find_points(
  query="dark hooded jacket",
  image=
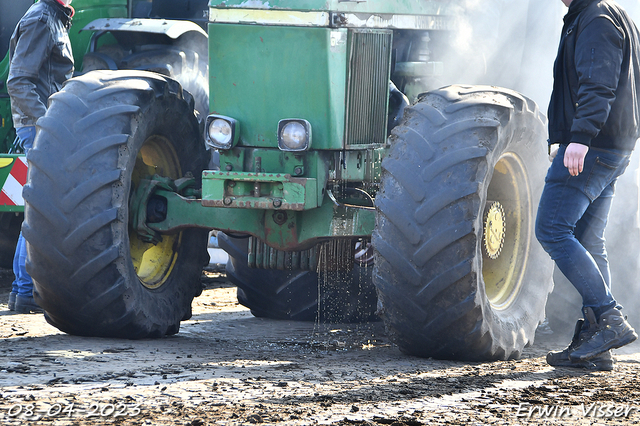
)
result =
(595, 99)
(41, 60)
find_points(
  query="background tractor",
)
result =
(348, 178)
(104, 37)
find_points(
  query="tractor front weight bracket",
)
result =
(160, 206)
(285, 230)
(146, 207)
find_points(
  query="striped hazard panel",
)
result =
(11, 194)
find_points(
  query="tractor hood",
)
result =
(170, 28)
(361, 9)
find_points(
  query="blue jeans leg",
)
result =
(590, 231)
(572, 216)
(16, 265)
(23, 284)
(23, 281)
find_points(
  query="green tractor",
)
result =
(337, 198)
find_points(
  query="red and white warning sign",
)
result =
(12, 189)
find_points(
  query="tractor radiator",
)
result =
(334, 255)
(368, 89)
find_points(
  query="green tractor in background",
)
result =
(176, 46)
(346, 182)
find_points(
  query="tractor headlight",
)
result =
(294, 135)
(221, 132)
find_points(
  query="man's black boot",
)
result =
(26, 305)
(613, 331)
(12, 301)
(583, 330)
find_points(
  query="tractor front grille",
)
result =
(368, 89)
(334, 255)
(261, 256)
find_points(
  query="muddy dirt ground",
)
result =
(226, 367)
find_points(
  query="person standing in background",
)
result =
(41, 61)
(594, 116)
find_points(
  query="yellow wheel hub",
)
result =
(154, 263)
(507, 231)
(494, 230)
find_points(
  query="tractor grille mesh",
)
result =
(368, 89)
(261, 256)
(334, 255)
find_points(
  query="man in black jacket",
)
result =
(41, 61)
(594, 116)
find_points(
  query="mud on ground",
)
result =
(226, 367)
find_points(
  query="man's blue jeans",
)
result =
(23, 284)
(571, 221)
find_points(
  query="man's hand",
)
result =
(574, 158)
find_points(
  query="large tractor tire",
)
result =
(180, 63)
(93, 275)
(328, 297)
(458, 271)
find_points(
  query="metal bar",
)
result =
(299, 231)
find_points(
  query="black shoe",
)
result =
(583, 330)
(613, 331)
(26, 305)
(12, 301)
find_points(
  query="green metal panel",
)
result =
(8, 20)
(11, 209)
(4, 72)
(314, 163)
(411, 7)
(258, 190)
(7, 133)
(260, 75)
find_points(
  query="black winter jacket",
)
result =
(595, 99)
(41, 60)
